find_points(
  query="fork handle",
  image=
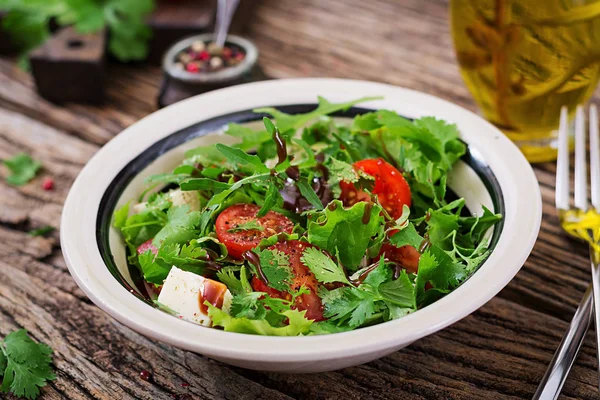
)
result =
(594, 264)
(556, 374)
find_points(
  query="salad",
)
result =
(308, 226)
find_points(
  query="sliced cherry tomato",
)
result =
(259, 286)
(311, 302)
(239, 241)
(407, 256)
(147, 245)
(391, 188)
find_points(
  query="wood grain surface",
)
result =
(499, 352)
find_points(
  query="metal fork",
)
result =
(583, 223)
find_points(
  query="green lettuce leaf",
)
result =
(337, 227)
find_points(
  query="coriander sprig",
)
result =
(25, 366)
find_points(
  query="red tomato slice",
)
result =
(240, 241)
(310, 302)
(147, 245)
(391, 188)
(407, 256)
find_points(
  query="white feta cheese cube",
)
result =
(184, 292)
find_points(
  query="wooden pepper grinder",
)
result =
(70, 66)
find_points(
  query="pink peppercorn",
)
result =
(48, 184)
(191, 67)
(204, 55)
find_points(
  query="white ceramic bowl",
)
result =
(495, 174)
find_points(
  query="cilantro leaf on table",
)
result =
(337, 227)
(324, 268)
(25, 366)
(22, 168)
(276, 266)
(43, 231)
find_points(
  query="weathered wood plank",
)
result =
(500, 352)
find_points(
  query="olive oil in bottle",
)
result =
(522, 60)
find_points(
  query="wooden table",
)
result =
(501, 351)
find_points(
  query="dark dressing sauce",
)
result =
(367, 214)
(293, 172)
(213, 292)
(253, 259)
(281, 147)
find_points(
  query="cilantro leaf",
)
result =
(407, 236)
(339, 228)
(25, 365)
(324, 268)
(251, 225)
(180, 227)
(235, 285)
(298, 324)
(23, 169)
(340, 171)
(247, 305)
(43, 231)
(153, 270)
(400, 292)
(276, 266)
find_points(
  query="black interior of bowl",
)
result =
(123, 178)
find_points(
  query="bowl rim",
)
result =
(78, 224)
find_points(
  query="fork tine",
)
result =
(580, 161)
(562, 164)
(595, 157)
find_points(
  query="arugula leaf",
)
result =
(339, 228)
(298, 324)
(238, 156)
(272, 199)
(276, 266)
(309, 193)
(250, 137)
(23, 169)
(251, 225)
(287, 122)
(324, 268)
(204, 184)
(24, 364)
(43, 231)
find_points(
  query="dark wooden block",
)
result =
(174, 20)
(70, 67)
(7, 46)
